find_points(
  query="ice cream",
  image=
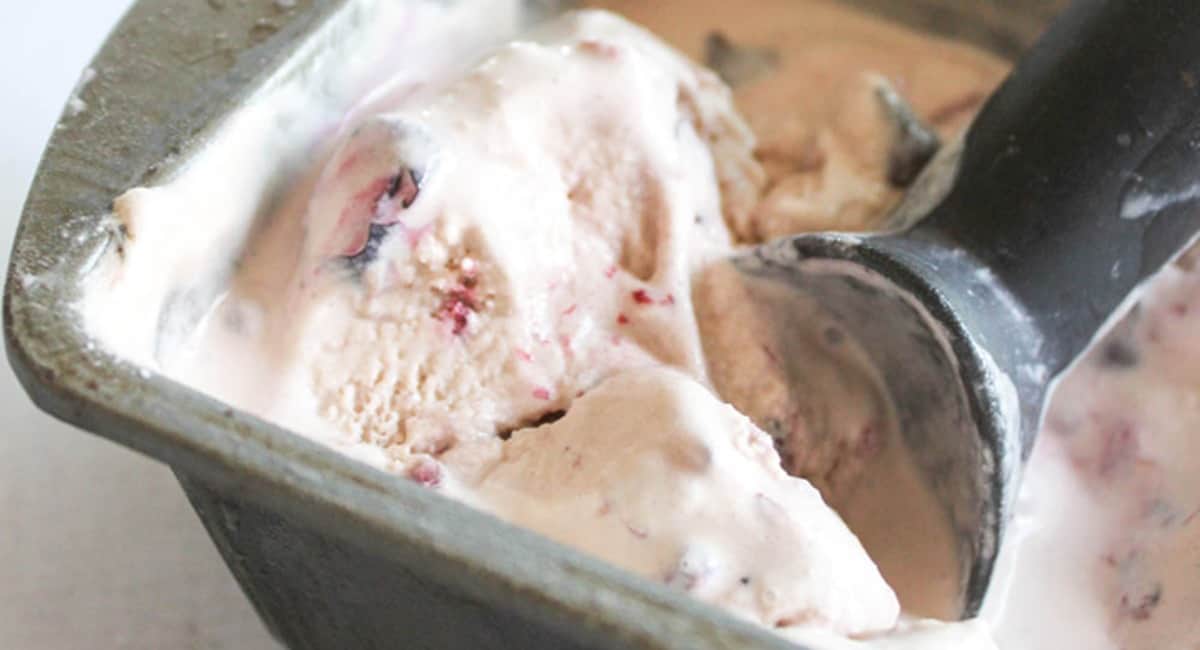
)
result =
(682, 487)
(474, 261)
(808, 81)
(500, 275)
(482, 256)
(828, 95)
(488, 268)
(1108, 525)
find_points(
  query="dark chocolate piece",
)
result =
(913, 142)
(738, 64)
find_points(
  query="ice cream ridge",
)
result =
(510, 285)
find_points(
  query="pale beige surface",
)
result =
(99, 547)
(683, 488)
(422, 349)
(427, 329)
(822, 137)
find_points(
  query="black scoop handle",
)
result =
(1080, 177)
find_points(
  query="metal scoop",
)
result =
(1079, 179)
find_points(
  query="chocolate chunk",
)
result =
(913, 142)
(738, 64)
(545, 418)
(548, 417)
(1118, 354)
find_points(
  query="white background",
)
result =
(98, 547)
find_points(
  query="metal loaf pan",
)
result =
(333, 554)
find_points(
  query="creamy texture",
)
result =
(809, 93)
(1108, 523)
(427, 332)
(409, 318)
(182, 240)
(808, 83)
(540, 237)
(439, 333)
(500, 277)
(682, 487)
(478, 256)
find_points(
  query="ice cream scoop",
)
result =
(1079, 179)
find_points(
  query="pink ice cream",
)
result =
(502, 278)
(521, 245)
(475, 260)
(492, 284)
(1108, 526)
(684, 489)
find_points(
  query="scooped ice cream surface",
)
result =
(474, 261)
(681, 487)
(489, 281)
